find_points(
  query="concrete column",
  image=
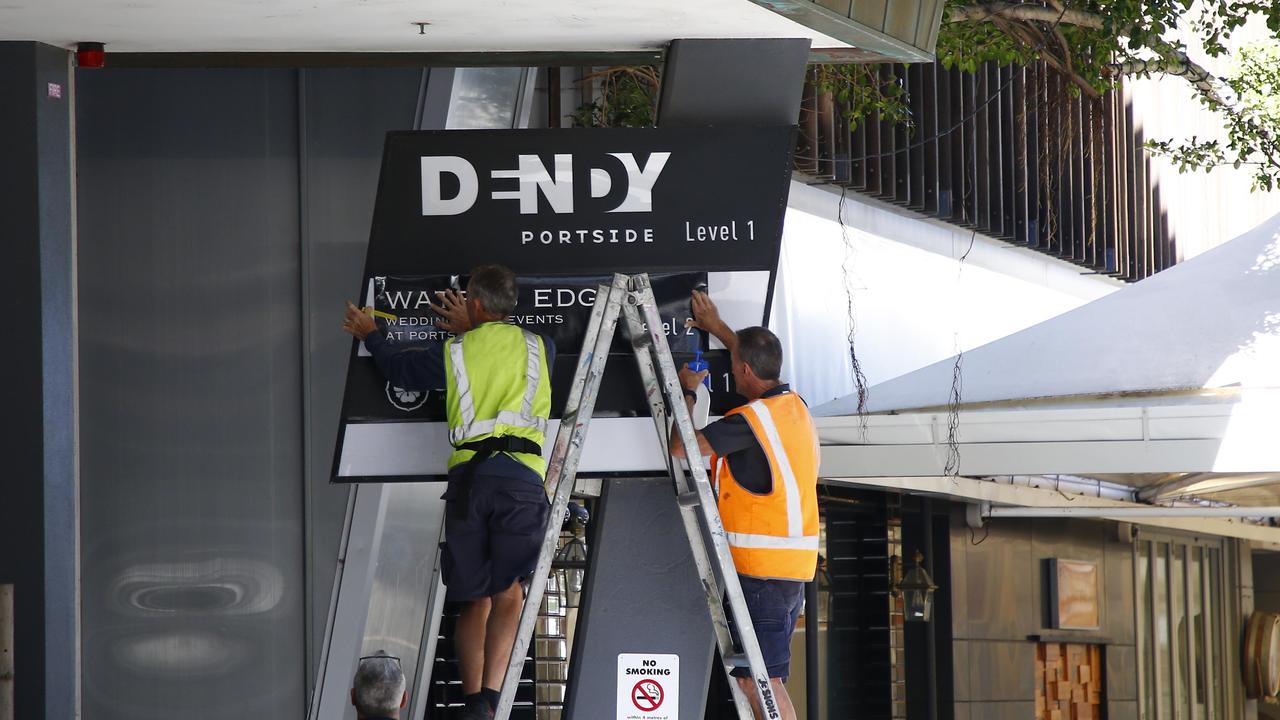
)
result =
(38, 520)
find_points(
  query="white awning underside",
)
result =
(1170, 386)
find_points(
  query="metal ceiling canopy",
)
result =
(1224, 437)
(1207, 327)
(1170, 386)
(877, 31)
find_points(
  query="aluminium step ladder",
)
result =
(631, 297)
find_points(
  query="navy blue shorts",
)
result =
(496, 542)
(774, 606)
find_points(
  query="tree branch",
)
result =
(1025, 12)
(1178, 65)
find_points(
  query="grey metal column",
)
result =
(38, 522)
(642, 595)
(732, 82)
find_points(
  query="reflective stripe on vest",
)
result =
(795, 520)
(746, 540)
(470, 427)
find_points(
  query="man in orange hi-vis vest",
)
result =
(764, 464)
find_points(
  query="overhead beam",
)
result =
(965, 489)
(1129, 513)
(1084, 457)
(1200, 484)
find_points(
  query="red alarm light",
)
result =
(91, 55)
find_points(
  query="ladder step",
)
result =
(737, 660)
(689, 499)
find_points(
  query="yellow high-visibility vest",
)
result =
(498, 385)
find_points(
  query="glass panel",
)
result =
(191, 485)
(1145, 680)
(1195, 630)
(1213, 610)
(402, 581)
(1178, 618)
(484, 98)
(1160, 630)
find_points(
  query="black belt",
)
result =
(484, 449)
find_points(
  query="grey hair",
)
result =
(378, 686)
(761, 349)
(495, 287)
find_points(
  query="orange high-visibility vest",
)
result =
(775, 535)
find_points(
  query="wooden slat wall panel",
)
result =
(1016, 189)
(982, 151)
(928, 134)
(1031, 190)
(858, 150)
(875, 163)
(969, 167)
(916, 175)
(1008, 151)
(1008, 145)
(1079, 216)
(946, 138)
(902, 144)
(888, 146)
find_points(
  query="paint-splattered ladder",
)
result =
(631, 298)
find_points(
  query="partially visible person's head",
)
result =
(494, 288)
(757, 364)
(378, 688)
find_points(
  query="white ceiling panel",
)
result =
(388, 25)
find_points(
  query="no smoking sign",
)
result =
(648, 686)
(647, 695)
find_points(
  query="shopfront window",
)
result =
(1178, 586)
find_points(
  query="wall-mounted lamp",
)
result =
(917, 591)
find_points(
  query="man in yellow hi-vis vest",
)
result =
(764, 463)
(498, 399)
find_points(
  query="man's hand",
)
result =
(453, 312)
(690, 379)
(358, 322)
(706, 316)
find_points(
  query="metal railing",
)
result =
(1008, 152)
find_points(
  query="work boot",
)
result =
(476, 708)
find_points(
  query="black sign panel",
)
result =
(581, 201)
(556, 307)
(565, 209)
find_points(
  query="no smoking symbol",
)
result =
(647, 695)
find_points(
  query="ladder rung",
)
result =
(689, 499)
(737, 660)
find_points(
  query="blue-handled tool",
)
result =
(698, 365)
